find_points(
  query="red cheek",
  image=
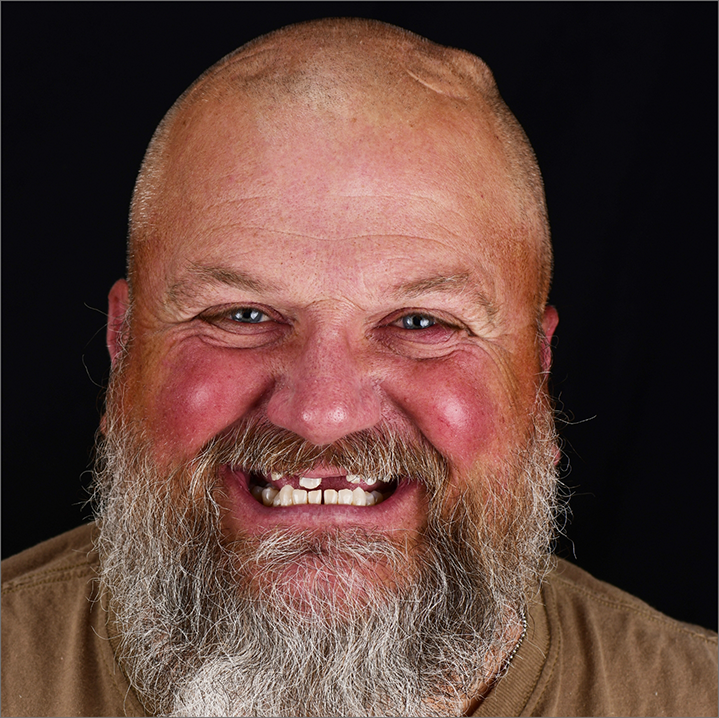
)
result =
(203, 391)
(453, 407)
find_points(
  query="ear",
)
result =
(118, 304)
(549, 324)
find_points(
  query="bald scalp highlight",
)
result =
(333, 66)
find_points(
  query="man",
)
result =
(327, 480)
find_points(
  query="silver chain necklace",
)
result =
(519, 642)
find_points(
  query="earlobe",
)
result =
(549, 324)
(118, 304)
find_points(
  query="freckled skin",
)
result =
(330, 212)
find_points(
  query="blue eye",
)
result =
(417, 321)
(247, 315)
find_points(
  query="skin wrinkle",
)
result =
(301, 234)
(343, 195)
(208, 275)
(501, 359)
(448, 284)
(439, 91)
(297, 235)
(189, 288)
(238, 202)
(204, 276)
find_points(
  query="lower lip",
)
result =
(404, 509)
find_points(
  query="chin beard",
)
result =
(336, 622)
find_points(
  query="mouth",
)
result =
(276, 490)
(324, 496)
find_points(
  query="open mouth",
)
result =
(322, 496)
(273, 489)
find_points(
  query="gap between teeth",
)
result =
(288, 496)
(310, 483)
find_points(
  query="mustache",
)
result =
(257, 445)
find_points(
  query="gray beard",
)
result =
(301, 624)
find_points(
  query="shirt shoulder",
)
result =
(65, 552)
(612, 654)
(56, 657)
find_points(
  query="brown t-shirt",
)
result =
(590, 648)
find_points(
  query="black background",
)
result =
(619, 101)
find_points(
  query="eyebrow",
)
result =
(201, 276)
(455, 283)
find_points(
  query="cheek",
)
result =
(459, 405)
(202, 391)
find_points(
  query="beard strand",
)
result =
(213, 626)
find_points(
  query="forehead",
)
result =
(417, 163)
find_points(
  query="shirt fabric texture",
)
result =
(590, 649)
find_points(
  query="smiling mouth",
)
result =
(275, 490)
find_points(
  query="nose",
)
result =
(324, 393)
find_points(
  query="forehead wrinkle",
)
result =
(447, 202)
(201, 276)
(262, 228)
(321, 238)
(456, 284)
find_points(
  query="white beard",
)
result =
(210, 627)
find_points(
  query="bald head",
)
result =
(335, 75)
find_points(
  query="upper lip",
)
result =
(331, 477)
(323, 472)
(403, 510)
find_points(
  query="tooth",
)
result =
(299, 496)
(358, 497)
(353, 478)
(344, 496)
(256, 491)
(268, 495)
(370, 499)
(308, 483)
(275, 476)
(377, 497)
(276, 500)
(314, 497)
(330, 496)
(286, 495)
